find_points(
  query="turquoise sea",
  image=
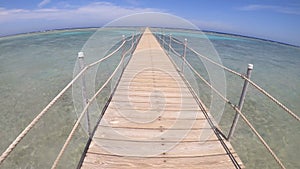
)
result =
(35, 67)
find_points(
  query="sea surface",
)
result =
(35, 67)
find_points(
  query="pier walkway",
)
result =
(152, 116)
(153, 120)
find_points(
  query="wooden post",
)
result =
(241, 102)
(163, 44)
(132, 39)
(184, 54)
(84, 92)
(123, 52)
(170, 44)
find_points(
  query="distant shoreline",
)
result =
(206, 31)
(46, 31)
(251, 37)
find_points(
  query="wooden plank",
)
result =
(96, 161)
(151, 83)
(154, 93)
(150, 88)
(153, 121)
(141, 74)
(165, 102)
(178, 82)
(150, 74)
(165, 124)
(156, 134)
(170, 114)
(155, 86)
(160, 104)
(157, 149)
(145, 98)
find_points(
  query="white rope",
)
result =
(273, 99)
(81, 116)
(241, 114)
(259, 137)
(174, 51)
(130, 49)
(208, 84)
(215, 63)
(37, 118)
(170, 46)
(130, 39)
(176, 41)
(236, 108)
(11, 147)
(253, 84)
(286, 109)
(93, 64)
(67, 142)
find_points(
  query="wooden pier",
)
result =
(153, 120)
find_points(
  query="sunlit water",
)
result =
(35, 67)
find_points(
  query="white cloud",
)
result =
(274, 8)
(93, 14)
(14, 21)
(43, 3)
(98, 12)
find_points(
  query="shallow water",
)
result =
(35, 67)
(276, 69)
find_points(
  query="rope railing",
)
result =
(12, 146)
(236, 108)
(176, 41)
(208, 59)
(272, 98)
(37, 118)
(242, 76)
(175, 52)
(240, 113)
(252, 83)
(101, 60)
(67, 142)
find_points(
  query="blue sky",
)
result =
(277, 20)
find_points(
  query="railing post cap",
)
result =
(250, 66)
(80, 55)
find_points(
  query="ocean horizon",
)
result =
(35, 66)
(92, 27)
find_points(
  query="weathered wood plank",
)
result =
(163, 123)
(157, 149)
(153, 121)
(133, 114)
(200, 135)
(151, 88)
(158, 99)
(95, 161)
